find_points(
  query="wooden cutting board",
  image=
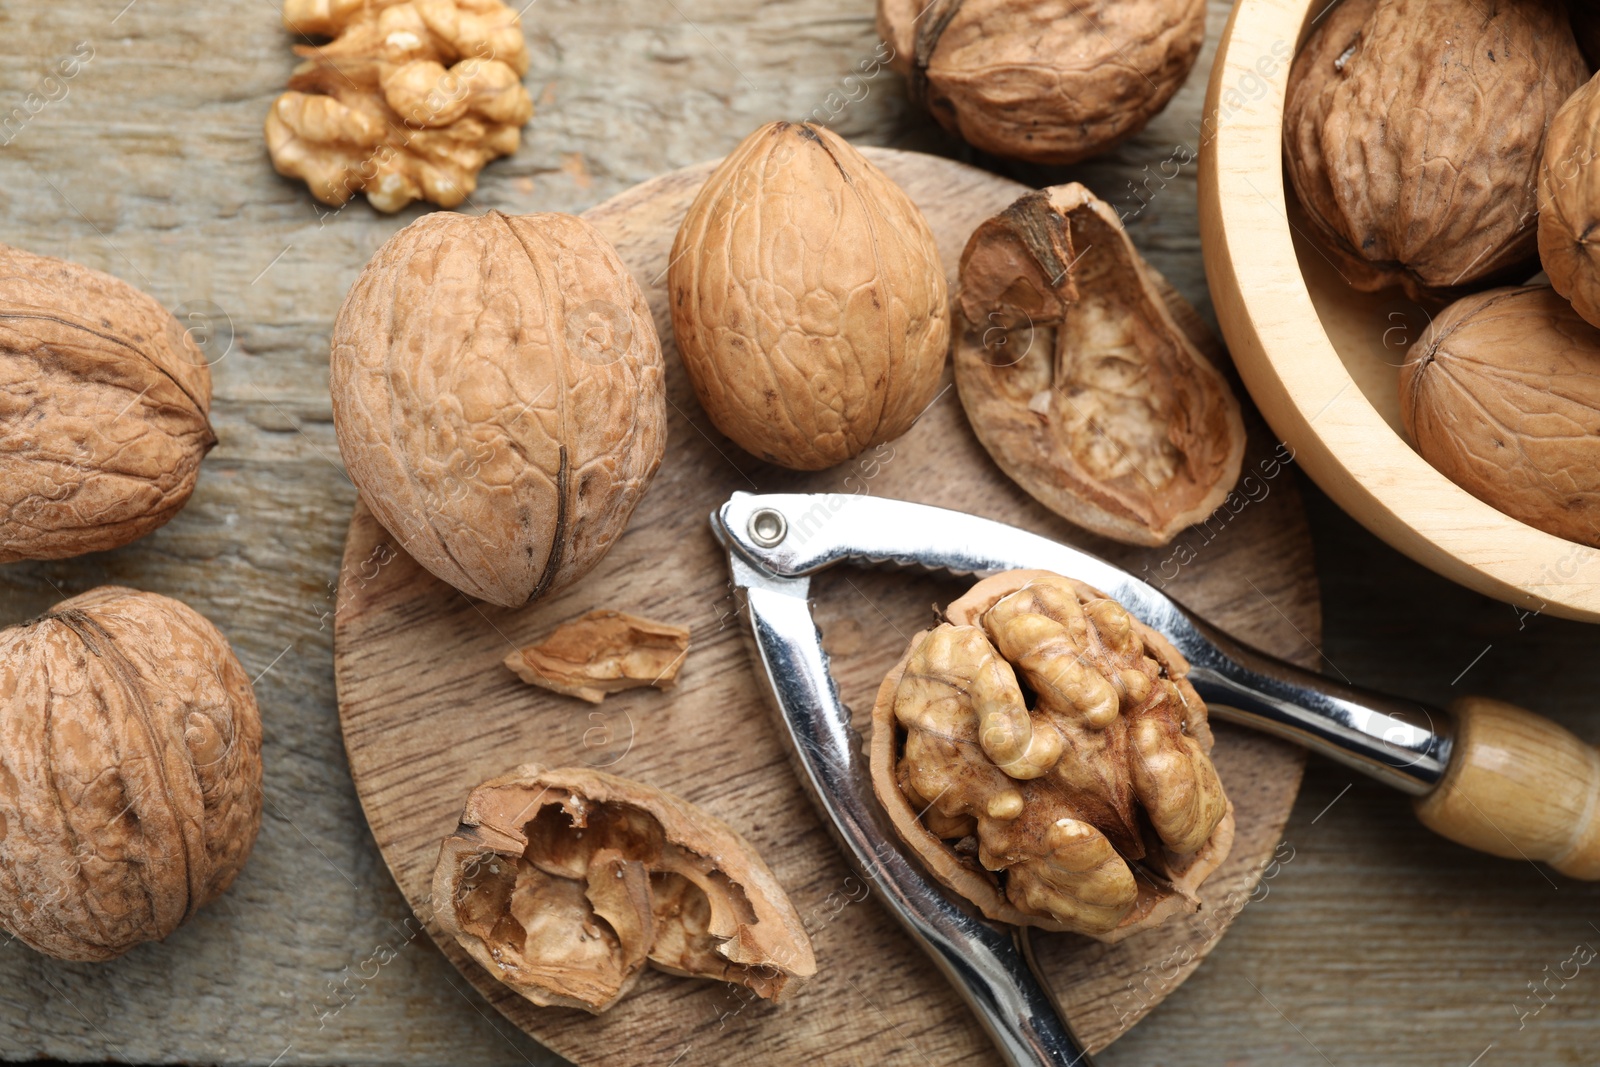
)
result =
(428, 710)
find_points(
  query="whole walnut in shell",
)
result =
(1078, 378)
(1413, 133)
(1050, 81)
(407, 102)
(1087, 803)
(564, 883)
(104, 408)
(1502, 395)
(808, 300)
(1569, 202)
(130, 772)
(498, 397)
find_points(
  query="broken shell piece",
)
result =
(563, 883)
(603, 652)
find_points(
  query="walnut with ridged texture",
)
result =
(1501, 394)
(498, 397)
(1428, 182)
(408, 101)
(1047, 81)
(105, 407)
(808, 300)
(1569, 202)
(1086, 802)
(566, 883)
(130, 772)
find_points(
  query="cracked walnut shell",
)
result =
(498, 397)
(1078, 379)
(407, 102)
(564, 883)
(1077, 797)
(1413, 133)
(1569, 202)
(104, 404)
(603, 652)
(1048, 81)
(1501, 394)
(130, 772)
(808, 300)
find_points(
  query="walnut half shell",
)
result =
(1079, 381)
(1079, 797)
(564, 883)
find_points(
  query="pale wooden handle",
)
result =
(1519, 786)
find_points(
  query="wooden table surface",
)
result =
(1375, 943)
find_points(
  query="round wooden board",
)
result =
(428, 710)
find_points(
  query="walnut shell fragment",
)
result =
(808, 299)
(1413, 132)
(104, 407)
(1078, 380)
(1569, 202)
(603, 652)
(1096, 810)
(564, 883)
(1044, 82)
(1502, 395)
(499, 399)
(407, 102)
(130, 772)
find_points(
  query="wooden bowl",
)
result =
(1321, 359)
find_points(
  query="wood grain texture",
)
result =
(1519, 786)
(1377, 942)
(429, 711)
(1320, 358)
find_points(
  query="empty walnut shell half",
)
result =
(1502, 395)
(1079, 797)
(104, 410)
(1413, 132)
(1079, 380)
(1569, 202)
(808, 299)
(1049, 83)
(498, 395)
(130, 772)
(564, 883)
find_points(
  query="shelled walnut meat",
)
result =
(1502, 395)
(1045, 756)
(564, 883)
(104, 410)
(1569, 202)
(130, 772)
(407, 102)
(498, 397)
(1049, 81)
(1079, 380)
(808, 300)
(603, 652)
(1413, 134)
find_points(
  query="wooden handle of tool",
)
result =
(1519, 786)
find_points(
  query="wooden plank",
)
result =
(428, 710)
